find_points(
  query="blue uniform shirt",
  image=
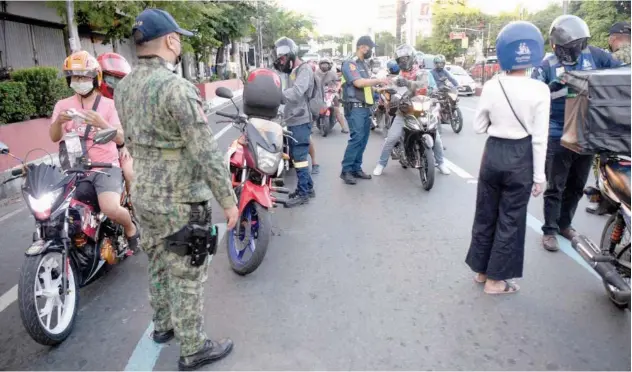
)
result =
(443, 72)
(352, 71)
(550, 71)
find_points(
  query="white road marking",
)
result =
(11, 214)
(8, 298)
(472, 181)
(223, 131)
(458, 170)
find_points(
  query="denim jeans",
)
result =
(359, 120)
(299, 151)
(394, 135)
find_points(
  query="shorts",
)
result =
(102, 183)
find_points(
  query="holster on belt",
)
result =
(198, 238)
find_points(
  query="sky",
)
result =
(333, 15)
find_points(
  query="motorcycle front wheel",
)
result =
(427, 169)
(621, 252)
(41, 284)
(457, 120)
(248, 246)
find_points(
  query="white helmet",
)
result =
(325, 64)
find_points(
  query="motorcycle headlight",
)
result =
(426, 106)
(452, 96)
(44, 202)
(267, 161)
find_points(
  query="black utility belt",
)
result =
(358, 105)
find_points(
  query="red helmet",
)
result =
(114, 67)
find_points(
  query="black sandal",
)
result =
(133, 241)
(509, 289)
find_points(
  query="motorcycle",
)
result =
(415, 148)
(448, 98)
(253, 160)
(381, 117)
(611, 258)
(72, 243)
(327, 119)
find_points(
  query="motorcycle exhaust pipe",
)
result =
(602, 265)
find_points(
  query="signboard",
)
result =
(457, 35)
(465, 43)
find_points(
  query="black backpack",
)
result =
(315, 100)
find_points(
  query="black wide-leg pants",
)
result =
(504, 187)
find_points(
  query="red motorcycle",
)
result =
(327, 119)
(73, 241)
(254, 161)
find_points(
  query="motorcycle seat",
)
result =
(86, 193)
(618, 175)
(391, 91)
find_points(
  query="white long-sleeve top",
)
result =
(531, 100)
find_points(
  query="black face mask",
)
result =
(283, 67)
(569, 54)
(368, 54)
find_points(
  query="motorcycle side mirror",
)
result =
(4, 149)
(224, 92)
(104, 136)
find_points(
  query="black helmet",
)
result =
(285, 53)
(405, 57)
(569, 36)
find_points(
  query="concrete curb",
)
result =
(14, 188)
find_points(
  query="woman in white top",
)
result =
(514, 111)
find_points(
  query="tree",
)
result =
(600, 16)
(446, 15)
(386, 43)
(543, 20)
(400, 20)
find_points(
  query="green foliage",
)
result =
(600, 16)
(386, 44)
(277, 22)
(45, 88)
(14, 103)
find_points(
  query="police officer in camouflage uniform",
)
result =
(619, 41)
(177, 165)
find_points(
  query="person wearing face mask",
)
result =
(330, 79)
(566, 171)
(178, 168)
(83, 74)
(358, 100)
(619, 42)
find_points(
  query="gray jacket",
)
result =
(300, 84)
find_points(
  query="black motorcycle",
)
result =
(73, 242)
(448, 98)
(420, 129)
(611, 258)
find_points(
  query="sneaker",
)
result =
(345, 131)
(315, 168)
(569, 233)
(443, 169)
(378, 170)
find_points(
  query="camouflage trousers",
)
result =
(176, 289)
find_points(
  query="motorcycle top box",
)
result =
(597, 115)
(259, 100)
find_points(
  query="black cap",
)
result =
(154, 23)
(365, 40)
(620, 28)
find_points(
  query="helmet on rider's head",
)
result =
(325, 64)
(392, 67)
(519, 46)
(439, 61)
(569, 36)
(84, 65)
(285, 53)
(114, 67)
(405, 57)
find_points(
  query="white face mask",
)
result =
(82, 88)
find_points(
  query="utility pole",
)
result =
(565, 6)
(73, 34)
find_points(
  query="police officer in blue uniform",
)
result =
(358, 100)
(566, 171)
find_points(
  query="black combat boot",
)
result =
(162, 337)
(212, 351)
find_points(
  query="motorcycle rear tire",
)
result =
(605, 242)
(264, 233)
(27, 302)
(427, 169)
(328, 122)
(457, 120)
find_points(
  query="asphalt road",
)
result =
(370, 276)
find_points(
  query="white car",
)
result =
(467, 85)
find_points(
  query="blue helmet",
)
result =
(519, 45)
(392, 67)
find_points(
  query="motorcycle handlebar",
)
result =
(99, 165)
(226, 115)
(17, 172)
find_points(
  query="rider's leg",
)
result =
(394, 134)
(109, 195)
(312, 154)
(438, 153)
(341, 119)
(127, 165)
